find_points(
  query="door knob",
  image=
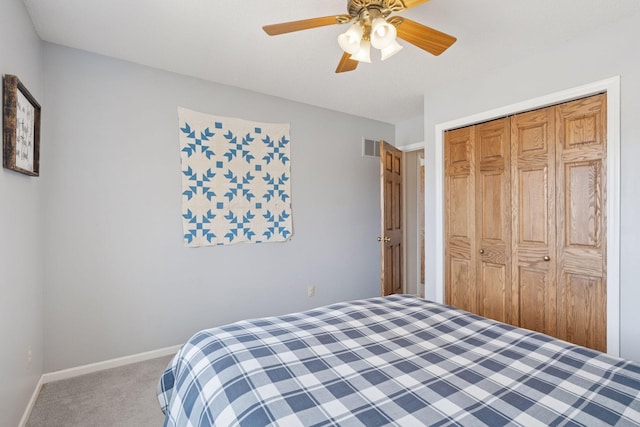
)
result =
(386, 239)
(481, 251)
(547, 258)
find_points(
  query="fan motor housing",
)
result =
(362, 8)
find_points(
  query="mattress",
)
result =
(397, 360)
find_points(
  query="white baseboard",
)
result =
(32, 402)
(107, 364)
(90, 368)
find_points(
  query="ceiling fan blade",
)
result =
(411, 3)
(305, 24)
(433, 41)
(346, 63)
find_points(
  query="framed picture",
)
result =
(21, 133)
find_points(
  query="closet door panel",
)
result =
(460, 294)
(534, 219)
(583, 322)
(461, 202)
(493, 220)
(534, 284)
(493, 285)
(533, 204)
(460, 259)
(581, 200)
(492, 205)
(584, 204)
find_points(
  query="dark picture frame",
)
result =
(21, 130)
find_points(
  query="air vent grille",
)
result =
(370, 148)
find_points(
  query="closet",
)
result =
(525, 222)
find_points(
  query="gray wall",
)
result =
(605, 53)
(21, 251)
(410, 131)
(118, 279)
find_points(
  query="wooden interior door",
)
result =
(391, 236)
(580, 177)
(460, 222)
(534, 298)
(493, 220)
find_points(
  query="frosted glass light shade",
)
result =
(364, 54)
(390, 50)
(383, 34)
(350, 40)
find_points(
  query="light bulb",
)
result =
(383, 34)
(350, 40)
(364, 54)
(390, 50)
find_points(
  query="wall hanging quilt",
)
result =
(236, 184)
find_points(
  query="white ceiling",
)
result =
(223, 41)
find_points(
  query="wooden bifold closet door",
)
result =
(525, 222)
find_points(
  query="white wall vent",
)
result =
(370, 148)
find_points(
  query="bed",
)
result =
(397, 360)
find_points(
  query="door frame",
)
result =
(612, 87)
(408, 148)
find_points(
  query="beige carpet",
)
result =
(119, 397)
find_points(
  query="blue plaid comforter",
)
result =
(398, 360)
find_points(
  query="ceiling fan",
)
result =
(372, 25)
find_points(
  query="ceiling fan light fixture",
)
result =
(350, 41)
(383, 34)
(390, 50)
(372, 23)
(364, 54)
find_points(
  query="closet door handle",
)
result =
(547, 258)
(481, 251)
